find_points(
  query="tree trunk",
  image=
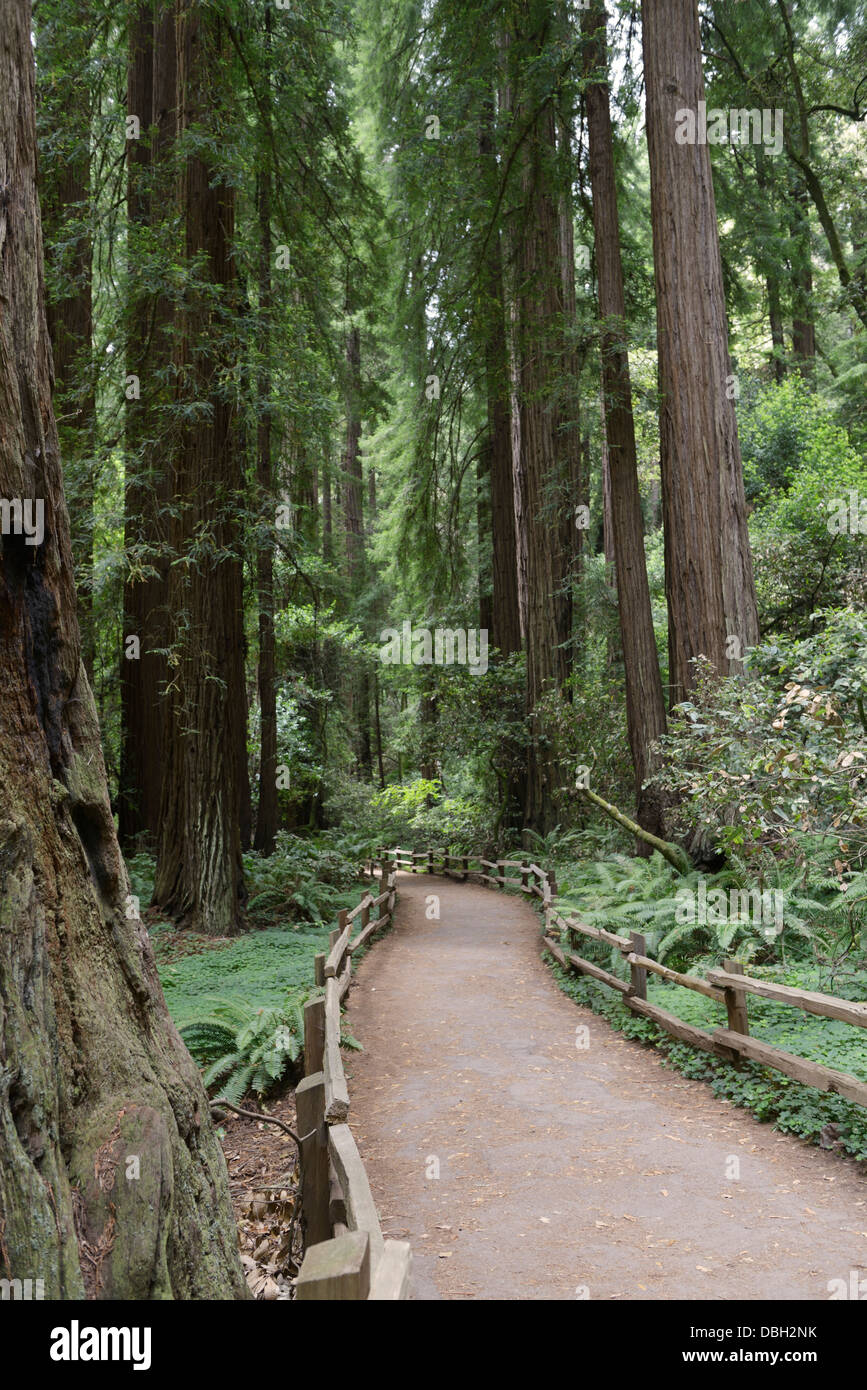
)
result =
(267, 817)
(708, 566)
(200, 876)
(645, 704)
(539, 319)
(151, 95)
(505, 618)
(65, 113)
(94, 1071)
(803, 325)
(352, 477)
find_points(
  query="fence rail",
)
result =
(347, 1256)
(728, 986)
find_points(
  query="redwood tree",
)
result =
(152, 97)
(708, 567)
(93, 1070)
(645, 705)
(200, 873)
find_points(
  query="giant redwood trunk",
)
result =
(92, 1070)
(200, 874)
(645, 705)
(152, 97)
(708, 567)
(505, 615)
(266, 817)
(65, 101)
(538, 337)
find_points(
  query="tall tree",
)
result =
(539, 312)
(152, 100)
(645, 705)
(499, 511)
(708, 566)
(199, 878)
(266, 820)
(93, 1067)
(66, 110)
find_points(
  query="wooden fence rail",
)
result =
(346, 1255)
(728, 986)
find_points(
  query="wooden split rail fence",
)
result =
(346, 1255)
(728, 986)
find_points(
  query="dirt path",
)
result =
(564, 1170)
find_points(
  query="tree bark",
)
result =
(151, 95)
(94, 1071)
(352, 477)
(505, 618)
(268, 812)
(539, 318)
(645, 704)
(65, 102)
(803, 325)
(200, 875)
(708, 566)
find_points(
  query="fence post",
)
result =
(365, 913)
(336, 1269)
(525, 875)
(736, 1001)
(315, 1195)
(501, 876)
(552, 881)
(319, 968)
(638, 972)
(430, 867)
(314, 1034)
(465, 865)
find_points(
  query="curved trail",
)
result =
(565, 1170)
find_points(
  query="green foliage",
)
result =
(799, 467)
(244, 1047)
(756, 763)
(825, 1119)
(306, 878)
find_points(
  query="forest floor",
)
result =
(264, 1181)
(566, 1172)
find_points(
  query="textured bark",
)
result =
(568, 418)
(92, 1069)
(538, 346)
(266, 819)
(200, 877)
(352, 478)
(65, 107)
(151, 95)
(772, 279)
(803, 326)
(496, 472)
(645, 704)
(708, 566)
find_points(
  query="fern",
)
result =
(245, 1048)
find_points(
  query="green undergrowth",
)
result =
(822, 1118)
(238, 1001)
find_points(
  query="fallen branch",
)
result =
(677, 858)
(256, 1115)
